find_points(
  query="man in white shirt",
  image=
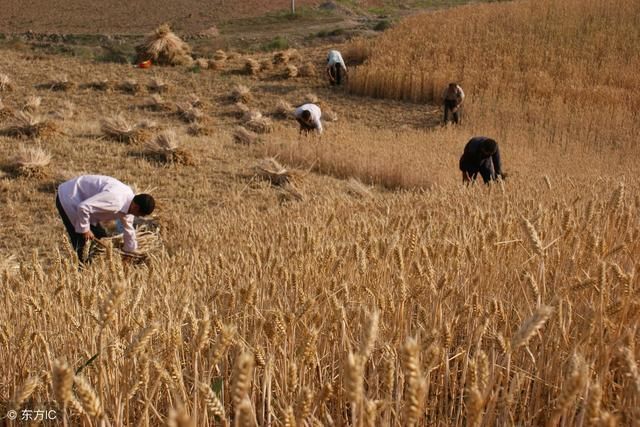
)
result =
(308, 116)
(86, 200)
(336, 67)
(453, 96)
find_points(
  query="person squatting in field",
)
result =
(86, 200)
(481, 155)
(308, 116)
(453, 97)
(336, 68)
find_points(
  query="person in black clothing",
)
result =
(481, 155)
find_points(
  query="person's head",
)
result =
(142, 205)
(306, 115)
(488, 147)
(452, 85)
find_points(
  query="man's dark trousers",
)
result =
(77, 240)
(449, 105)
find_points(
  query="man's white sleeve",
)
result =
(104, 202)
(129, 234)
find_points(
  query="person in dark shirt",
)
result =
(481, 155)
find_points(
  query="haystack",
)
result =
(244, 136)
(5, 83)
(155, 103)
(31, 104)
(215, 64)
(307, 70)
(241, 93)
(119, 129)
(30, 162)
(266, 65)
(291, 71)
(220, 55)
(251, 67)
(130, 86)
(60, 83)
(163, 47)
(28, 125)
(188, 113)
(166, 148)
(281, 57)
(158, 85)
(260, 125)
(271, 170)
(201, 63)
(283, 109)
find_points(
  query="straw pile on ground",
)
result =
(166, 148)
(149, 243)
(130, 86)
(199, 129)
(31, 104)
(266, 65)
(241, 110)
(283, 109)
(28, 125)
(119, 129)
(329, 115)
(60, 83)
(156, 103)
(244, 136)
(163, 47)
(5, 83)
(66, 112)
(100, 84)
(30, 162)
(241, 93)
(259, 124)
(291, 71)
(249, 114)
(271, 170)
(220, 55)
(194, 100)
(215, 64)
(307, 70)
(188, 113)
(5, 111)
(310, 98)
(158, 85)
(251, 67)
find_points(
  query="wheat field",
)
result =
(342, 280)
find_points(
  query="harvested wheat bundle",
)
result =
(166, 147)
(220, 55)
(308, 70)
(30, 162)
(119, 129)
(311, 98)
(201, 63)
(251, 115)
(260, 125)
(266, 65)
(241, 93)
(130, 86)
(271, 170)
(31, 104)
(244, 136)
(241, 109)
(66, 112)
(155, 103)
(291, 71)
(60, 83)
(148, 239)
(31, 126)
(199, 129)
(283, 109)
(188, 112)
(358, 189)
(5, 83)
(163, 47)
(281, 57)
(294, 55)
(194, 100)
(215, 64)
(251, 67)
(158, 85)
(329, 115)
(100, 84)
(232, 55)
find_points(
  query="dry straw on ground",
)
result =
(220, 55)
(31, 104)
(259, 124)
(166, 147)
(60, 83)
(188, 113)
(130, 86)
(158, 85)
(120, 129)
(100, 84)
(163, 47)
(30, 161)
(308, 69)
(283, 109)
(5, 83)
(241, 93)
(65, 112)
(310, 98)
(251, 66)
(28, 125)
(291, 71)
(243, 136)
(155, 102)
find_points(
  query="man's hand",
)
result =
(88, 235)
